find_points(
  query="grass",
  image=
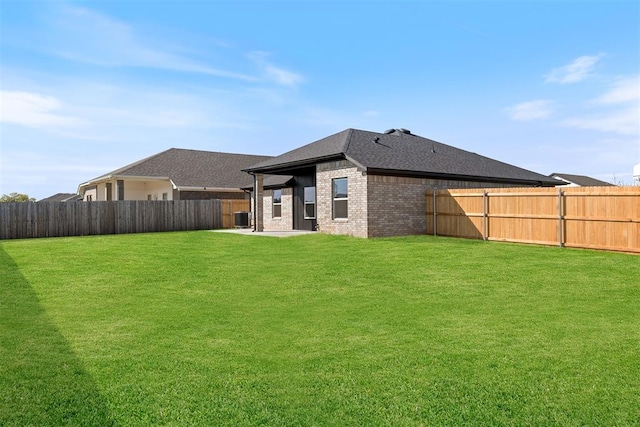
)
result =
(203, 328)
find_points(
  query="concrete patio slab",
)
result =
(266, 233)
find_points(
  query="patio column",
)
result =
(258, 191)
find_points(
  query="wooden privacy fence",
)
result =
(230, 207)
(57, 219)
(583, 217)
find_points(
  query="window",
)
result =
(277, 203)
(309, 202)
(149, 197)
(340, 198)
(165, 196)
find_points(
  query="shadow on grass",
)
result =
(42, 382)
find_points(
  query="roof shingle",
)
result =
(401, 153)
(192, 168)
(581, 180)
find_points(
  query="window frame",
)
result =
(305, 203)
(339, 199)
(277, 204)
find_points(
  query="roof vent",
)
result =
(399, 130)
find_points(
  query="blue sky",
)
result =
(90, 86)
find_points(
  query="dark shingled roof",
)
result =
(401, 153)
(581, 180)
(192, 168)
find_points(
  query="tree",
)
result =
(16, 197)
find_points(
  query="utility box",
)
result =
(241, 219)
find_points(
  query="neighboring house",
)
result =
(62, 197)
(175, 174)
(636, 174)
(370, 184)
(578, 180)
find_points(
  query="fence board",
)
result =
(57, 219)
(584, 217)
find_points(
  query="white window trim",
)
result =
(273, 204)
(315, 203)
(335, 199)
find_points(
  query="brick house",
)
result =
(370, 184)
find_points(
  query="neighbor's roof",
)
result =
(62, 197)
(581, 180)
(398, 152)
(190, 168)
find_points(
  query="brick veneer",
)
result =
(356, 223)
(285, 222)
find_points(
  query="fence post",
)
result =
(435, 213)
(560, 218)
(484, 215)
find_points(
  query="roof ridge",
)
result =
(348, 140)
(217, 152)
(136, 163)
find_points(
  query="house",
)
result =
(579, 180)
(636, 174)
(62, 197)
(370, 184)
(175, 174)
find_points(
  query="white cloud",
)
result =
(32, 109)
(575, 71)
(83, 35)
(531, 110)
(625, 122)
(282, 76)
(277, 74)
(623, 118)
(623, 90)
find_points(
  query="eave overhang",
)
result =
(466, 178)
(288, 167)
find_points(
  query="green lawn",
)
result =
(201, 328)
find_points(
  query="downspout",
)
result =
(255, 200)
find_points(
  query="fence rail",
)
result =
(58, 219)
(584, 217)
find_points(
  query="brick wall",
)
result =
(285, 222)
(356, 223)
